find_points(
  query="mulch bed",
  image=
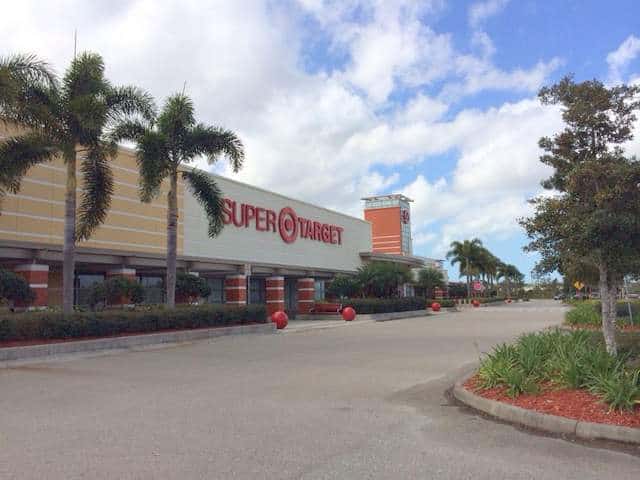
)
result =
(593, 328)
(41, 341)
(575, 404)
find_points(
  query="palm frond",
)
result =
(208, 194)
(214, 141)
(177, 117)
(18, 154)
(127, 130)
(85, 77)
(27, 69)
(153, 163)
(97, 191)
(127, 101)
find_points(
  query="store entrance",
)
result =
(291, 297)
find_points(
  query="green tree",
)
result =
(14, 288)
(430, 278)
(68, 119)
(383, 279)
(466, 254)
(595, 216)
(189, 286)
(511, 276)
(164, 148)
(344, 286)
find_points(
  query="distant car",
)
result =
(559, 296)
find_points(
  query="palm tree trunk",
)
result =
(69, 247)
(172, 238)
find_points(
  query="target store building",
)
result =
(274, 249)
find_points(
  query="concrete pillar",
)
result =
(37, 276)
(275, 294)
(306, 294)
(235, 289)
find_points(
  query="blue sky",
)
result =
(339, 99)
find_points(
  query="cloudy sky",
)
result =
(340, 99)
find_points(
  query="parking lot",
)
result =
(364, 400)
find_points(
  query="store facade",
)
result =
(273, 249)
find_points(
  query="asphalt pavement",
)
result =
(365, 400)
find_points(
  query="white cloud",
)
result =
(620, 58)
(326, 136)
(481, 11)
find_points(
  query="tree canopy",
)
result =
(592, 216)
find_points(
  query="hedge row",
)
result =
(622, 309)
(55, 325)
(386, 305)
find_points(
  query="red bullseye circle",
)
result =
(288, 225)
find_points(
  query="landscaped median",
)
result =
(559, 381)
(36, 334)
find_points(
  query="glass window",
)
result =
(217, 290)
(257, 290)
(83, 283)
(153, 289)
(319, 290)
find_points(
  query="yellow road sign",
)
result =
(579, 285)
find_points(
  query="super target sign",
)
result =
(286, 222)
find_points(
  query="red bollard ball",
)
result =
(280, 318)
(435, 306)
(476, 303)
(348, 314)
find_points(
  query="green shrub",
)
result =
(14, 288)
(573, 360)
(191, 286)
(385, 305)
(114, 291)
(343, 286)
(620, 390)
(583, 314)
(55, 325)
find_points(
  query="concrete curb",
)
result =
(31, 352)
(385, 317)
(543, 421)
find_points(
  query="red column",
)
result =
(306, 294)
(235, 289)
(129, 274)
(275, 294)
(37, 276)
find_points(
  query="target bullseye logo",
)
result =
(288, 225)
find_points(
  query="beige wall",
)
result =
(36, 212)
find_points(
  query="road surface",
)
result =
(366, 400)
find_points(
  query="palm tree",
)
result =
(510, 273)
(383, 279)
(430, 278)
(163, 147)
(68, 119)
(466, 254)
